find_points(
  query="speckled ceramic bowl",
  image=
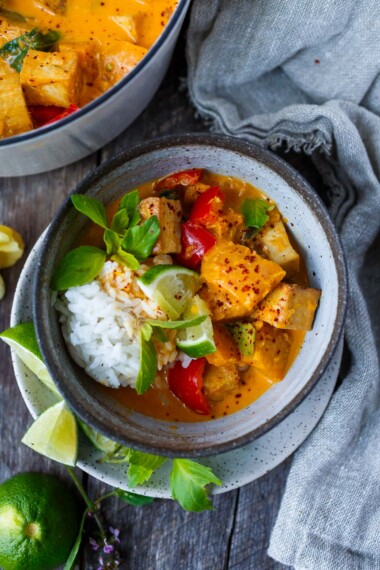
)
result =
(321, 250)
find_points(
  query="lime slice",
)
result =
(54, 434)
(171, 287)
(197, 341)
(22, 339)
(101, 442)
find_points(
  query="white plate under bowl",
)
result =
(235, 468)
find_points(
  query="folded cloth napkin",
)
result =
(307, 73)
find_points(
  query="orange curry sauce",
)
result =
(158, 401)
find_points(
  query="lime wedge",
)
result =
(54, 434)
(22, 339)
(171, 287)
(197, 341)
(101, 442)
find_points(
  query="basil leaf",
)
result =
(188, 481)
(255, 212)
(70, 564)
(91, 208)
(126, 259)
(130, 203)
(112, 241)
(159, 335)
(142, 466)
(78, 267)
(177, 325)
(148, 365)
(14, 51)
(120, 221)
(134, 499)
(146, 331)
(140, 240)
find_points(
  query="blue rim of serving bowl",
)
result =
(35, 133)
(297, 183)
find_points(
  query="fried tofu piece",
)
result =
(238, 279)
(89, 57)
(14, 116)
(289, 307)
(117, 60)
(169, 214)
(51, 78)
(272, 350)
(226, 348)
(278, 247)
(218, 381)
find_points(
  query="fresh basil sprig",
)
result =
(14, 51)
(140, 240)
(91, 208)
(148, 361)
(255, 212)
(78, 267)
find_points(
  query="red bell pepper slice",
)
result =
(184, 178)
(195, 241)
(42, 115)
(208, 206)
(187, 385)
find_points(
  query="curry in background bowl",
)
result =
(56, 56)
(192, 304)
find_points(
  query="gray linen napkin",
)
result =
(307, 73)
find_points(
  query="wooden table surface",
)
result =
(160, 536)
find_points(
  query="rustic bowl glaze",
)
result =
(318, 241)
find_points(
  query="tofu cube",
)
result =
(169, 214)
(219, 381)
(226, 348)
(279, 249)
(118, 60)
(272, 350)
(14, 114)
(237, 279)
(289, 307)
(51, 78)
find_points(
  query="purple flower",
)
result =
(115, 532)
(94, 544)
(108, 548)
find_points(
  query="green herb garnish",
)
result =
(134, 499)
(91, 208)
(78, 267)
(14, 51)
(188, 481)
(140, 240)
(148, 361)
(177, 325)
(255, 212)
(142, 466)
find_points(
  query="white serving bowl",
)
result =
(87, 130)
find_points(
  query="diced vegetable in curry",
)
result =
(58, 55)
(254, 291)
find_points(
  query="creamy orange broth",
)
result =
(159, 402)
(102, 23)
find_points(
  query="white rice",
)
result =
(100, 324)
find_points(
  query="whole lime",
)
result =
(39, 522)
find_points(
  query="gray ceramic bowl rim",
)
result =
(35, 133)
(296, 182)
